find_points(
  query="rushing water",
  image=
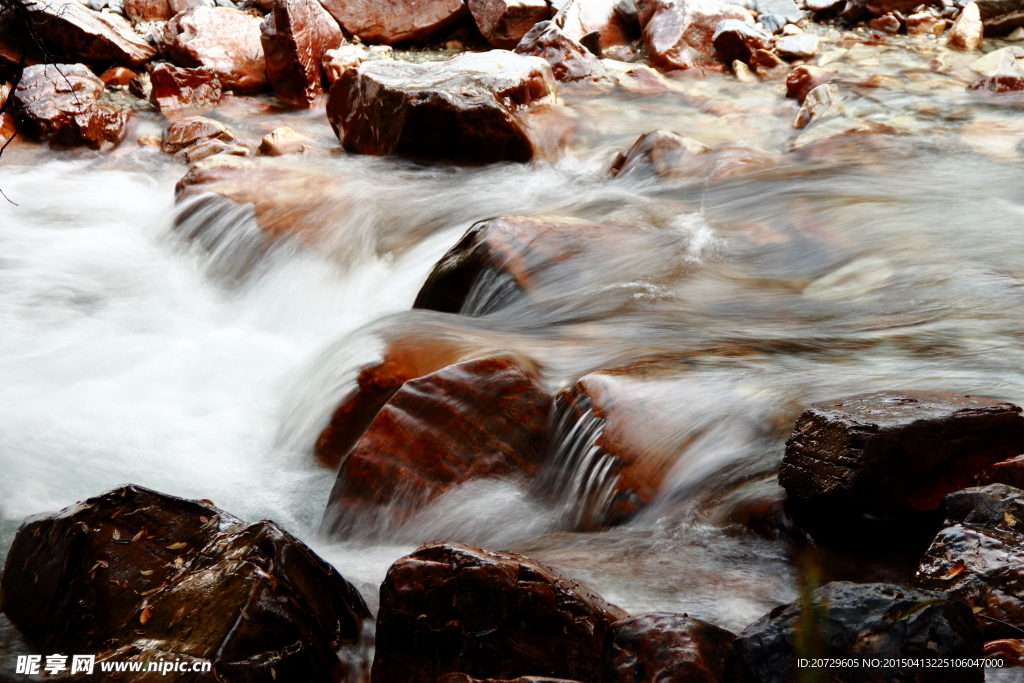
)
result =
(127, 355)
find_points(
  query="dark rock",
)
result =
(876, 8)
(503, 23)
(93, 36)
(452, 608)
(804, 78)
(664, 648)
(58, 103)
(174, 88)
(569, 60)
(626, 11)
(226, 41)
(16, 48)
(865, 621)
(483, 418)
(474, 107)
(738, 39)
(148, 10)
(395, 21)
(1009, 472)
(579, 18)
(141, 574)
(661, 153)
(295, 36)
(678, 34)
(999, 16)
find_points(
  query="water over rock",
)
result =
(679, 33)
(175, 88)
(805, 78)
(664, 648)
(92, 36)
(224, 40)
(569, 59)
(295, 36)
(395, 21)
(451, 608)
(666, 155)
(503, 23)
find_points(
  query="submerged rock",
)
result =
(451, 608)
(503, 23)
(92, 36)
(679, 33)
(295, 36)
(661, 153)
(805, 78)
(664, 648)
(226, 41)
(174, 88)
(569, 60)
(395, 21)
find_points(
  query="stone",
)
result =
(661, 153)
(179, 6)
(925, 23)
(395, 21)
(174, 88)
(118, 76)
(664, 648)
(800, 46)
(281, 141)
(772, 23)
(678, 33)
(743, 73)
(225, 41)
(134, 574)
(887, 23)
(767, 65)
(57, 103)
(821, 103)
(141, 11)
(642, 80)
(736, 40)
(580, 18)
(855, 622)
(474, 107)
(1009, 472)
(804, 78)
(822, 5)
(93, 36)
(787, 9)
(503, 23)
(896, 451)
(484, 418)
(569, 60)
(451, 608)
(1008, 60)
(1000, 16)
(295, 36)
(968, 30)
(8, 125)
(997, 84)
(338, 61)
(187, 132)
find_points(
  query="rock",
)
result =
(997, 85)
(967, 31)
(923, 23)
(295, 36)
(678, 33)
(800, 46)
(452, 608)
(662, 647)
(1000, 16)
(661, 153)
(805, 78)
(93, 36)
(979, 557)
(821, 5)
(1008, 61)
(642, 80)
(281, 141)
(118, 76)
(185, 133)
(174, 88)
(338, 61)
(860, 621)
(772, 23)
(8, 126)
(821, 103)
(736, 40)
(179, 6)
(474, 107)
(743, 73)
(503, 23)
(1009, 472)
(767, 65)
(141, 11)
(569, 60)
(580, 18)
(58, 103)
(896, 451)
(225, 41)
(395, 21)
(887, 23)
(787, 9)
(143, 575)
(483, 418)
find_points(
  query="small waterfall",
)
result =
(493, 289)
(225, 229)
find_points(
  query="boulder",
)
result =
(664, 648)
(569, 60)
(451, 608)
(474, 107)
(679, 33)
(896, 451)
(482, 418)
(296, 35)
(968, 31)
(94, 36)
(226, 41)
(135, 574)
(503, 23)
(855, 622)
(395, 21)
(141, 11)
(580, 18)
(58, 103)
(174, 88)
(736, 40)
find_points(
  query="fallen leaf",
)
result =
(137, 536)
(117, 535)
(176, 546)
(144, 617)
(146, 572)
(956, 569)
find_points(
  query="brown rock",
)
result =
(678, 33)
(452, 608)
(578, 18)
(295, 37)
(473, 107)
(736, 40)
(503, 23)
(174, 88)
(8, 126)
(887, 23)
(897, 450)
(395, 21)
(117, 75)
(483, 418)
(664, 648)
(144, 574)
(93, 36)
(57, 103)
(968, 31)
(281, 141)
(1000, 16)
(336, 62)
(185, 133)
(226, 41)
(148, 10)
(569, 60)
(767, 65)
(1009, 472)
(805, 78)
(923, 23)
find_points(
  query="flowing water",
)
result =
(128, 354)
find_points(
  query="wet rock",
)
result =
(800, 46)
(678, 33)
(483, 418)
(148, 10)
(1000, 16)
(967, 31)
(998, 84)
(58, 103)
(805, 78)
(338, 61)
(395, 21)
(772, 23)
(1007, 61)
(846, 621)
(580, 18)
(639, 80)
(225, 41)
(281, 141)
(474, 107)
(660, 153)
(662, 647)
(569, 60)
(174, 88)
(736, 40)
(117, 75)
(453, 608)
(503, 23)
(923, 23)
(896, 451)
(767, 65)
(186, 133)
(143, 574)
(821, 103)
(979, 557)
(1009, 472)
(93, 36)
(295, 36)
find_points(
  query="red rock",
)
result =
(804, 78)
(664, 648)
(395, 21)
(337, 62)
(451, 608)
(1009, 472)
(503, 23)
(569, 60)
(281, 141)
(174, 88)
(737, 40)
(148, 10)
(678, 33)
(185, 133)
(57, 103)
(473, 107)
(483, 418)
(997, 84)
(581, 17)
(93, 36)
(226, 41)
(295, 37)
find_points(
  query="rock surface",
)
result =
(735, 39)
(174, 88)
(580, 18)
(1000, 16)
(226, 41)
(569, 60)
(664, 648)
(295, 36)
(148, 10)
(395, 21)
(93, 36)
(679, 33)
(451, 608)
(503, 23)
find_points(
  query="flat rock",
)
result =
(175, 88)
(664, 648)
(679, 33)
(569, 60)
(295, 36)
(281, 141)
(800, 46)
(395, 21)
(226, 41)
(93, 36)
(503, 23)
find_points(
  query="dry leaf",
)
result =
(957, 568)
(144, 617)
(1009, 519)
(176, 546)
(137, 536)
(117, 535)
(146, 572)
